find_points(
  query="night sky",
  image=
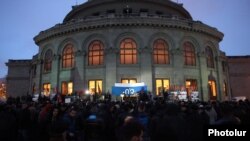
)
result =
(22, 20)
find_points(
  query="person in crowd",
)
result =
(228, 118)
(73, 124)
(56, 126)
(43, 120)
(211, 113)
(131, 130)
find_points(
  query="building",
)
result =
(239, 75)
(18, 78)
(154, 42)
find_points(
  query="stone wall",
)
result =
(18, 78)
(239, 74)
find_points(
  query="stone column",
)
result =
(146, 67)
(110, 63)
(220, 95)
(178, 63)
(203, 86)
(79, 71)
(55, 73)
(39, 75)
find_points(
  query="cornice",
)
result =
(126, 21)
(94, 3)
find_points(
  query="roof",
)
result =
(99, 7)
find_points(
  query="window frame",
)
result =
(46, 86)
(163, 86)
(127, 52)
(212, 89)
(96, 54)
(159, 52)
(48, 57)
(65, 88)
(209, 57)
(97, 89)
(189, 54)
(68, 57)
(128, 80)
(193, 86)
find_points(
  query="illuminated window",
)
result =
(225, 88)
(210, 57)
(161, 85)
(47, 61)
(128, 52)
(46, 89)
(67, 88)
(95, 54)
(212, 88)
(161, 52)
(68, 56)
(189, 54)
(95, 86)
(129, 80)
(191, 85)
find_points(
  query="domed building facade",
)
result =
(155, 43)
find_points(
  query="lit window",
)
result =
(161, 85)
(212, 88)
(225, 88)
(95, 86)
(128, 52)
(47, 61)
(46, 89)
(68, 56)
(191, 85)
(189, 54)
(67, 88)
(210, 57)
(161, 52)
(129, 80)
(95, 54)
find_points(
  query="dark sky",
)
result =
(21, 20)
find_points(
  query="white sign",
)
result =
(129, 84)
(195, 95)
(67, 100)
(182, 95)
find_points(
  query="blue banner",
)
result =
(127, 90)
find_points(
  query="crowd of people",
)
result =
(106, 120)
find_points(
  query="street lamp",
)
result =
(87, 92)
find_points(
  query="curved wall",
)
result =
(144, 29)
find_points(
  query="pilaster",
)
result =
(111, 70)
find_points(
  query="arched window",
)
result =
(210, 57)
(128, 52)
(161, 52)
(212, 90)
(68, 56)
(225, 88)
(95, 54)
(47, 61)
(189, 54)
